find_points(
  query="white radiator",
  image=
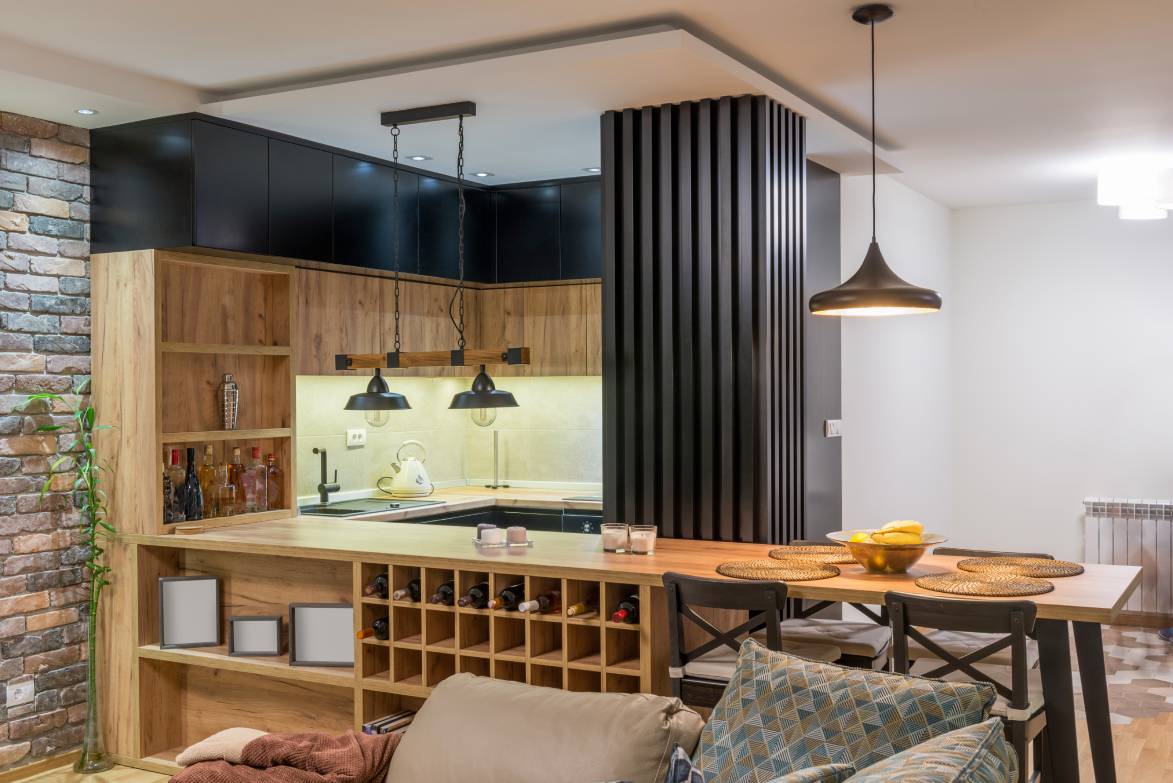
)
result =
(1134, 532)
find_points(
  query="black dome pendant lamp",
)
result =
(874, 290)
(378, 398)
(484, 393)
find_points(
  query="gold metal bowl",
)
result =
(885, 558)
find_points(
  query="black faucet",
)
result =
(325, 489)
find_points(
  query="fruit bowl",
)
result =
(885, 558)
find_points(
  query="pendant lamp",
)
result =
(378, 399)
(874, 290)
(484, 393)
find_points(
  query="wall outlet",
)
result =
(356, 438)
(833, 428)
(21, 693)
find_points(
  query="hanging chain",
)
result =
(395, 220)
(872, 30)
(459, 295)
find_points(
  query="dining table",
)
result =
(1077, 608)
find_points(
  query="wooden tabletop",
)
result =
(1097, 595)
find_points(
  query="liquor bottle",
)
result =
(477, 596)
(227, 495)
(546, 603)
(409, 592)
(275, 483)
(583, 607)
(509, 598)
(256, 484)
(208, 484)
(378, 587)
(168, 496)
(380, 628)
(627, 611)
(445, 595)
(176, 473)
(193, 495)
(236, 471)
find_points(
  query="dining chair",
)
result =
(1008, 624)
(699, 675)
(864, 643)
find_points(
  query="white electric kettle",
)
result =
(410, 479)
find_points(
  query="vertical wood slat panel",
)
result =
(704, 209)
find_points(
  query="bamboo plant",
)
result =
(90, 499)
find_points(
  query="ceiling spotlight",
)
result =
(1140, 189)
(87, 112)
(482, 174)
(419, 157)
(593, 170)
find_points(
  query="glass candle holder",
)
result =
(614, 537)
(642, 540)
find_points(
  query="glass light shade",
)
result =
(377, 418)
(377, 397)
(1141, 212)
(483, 394)
(484, 417)
(873, 291)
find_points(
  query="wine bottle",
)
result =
(477, 596)
(582, 607)
(207, 477)
(409, 592)
(445, 595)
(546, 603)
(168, 495)
(275, 483)
(509, 598)
(378, 587)
(193, 496)
(379, 628)
(627, 611)
(236, 471)
(176, 473)
(256, 484)
(227, 493)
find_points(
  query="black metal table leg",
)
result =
(1089, 651)
(1055, 667)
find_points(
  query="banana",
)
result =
(903, 526)
(896, 537)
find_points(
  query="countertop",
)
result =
(472, 498)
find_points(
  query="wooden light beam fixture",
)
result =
(404, 360)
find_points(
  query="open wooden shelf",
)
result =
(267, 666)
(227, 349)
(204, 436)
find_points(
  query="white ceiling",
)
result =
(981, 101)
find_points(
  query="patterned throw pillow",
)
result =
(831, 773)
(680, 768)
(781, 714)
(975, 754)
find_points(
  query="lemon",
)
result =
(860, 538)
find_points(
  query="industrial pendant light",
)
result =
(874, 290)
(483, 394)
(378, 399)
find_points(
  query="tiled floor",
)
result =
(1140, 689)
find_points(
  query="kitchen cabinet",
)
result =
(364, 227)
(581, 230)
(230, 188)
(541, 520)
(438, 225)
(561, 324)
(582, 521)
(527, 233)
(301, 201)
(460, 519)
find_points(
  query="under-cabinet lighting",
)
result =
(87, 112)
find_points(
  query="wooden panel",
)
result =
(191, 391)
(338, 313)
(219, 304)
(424, 323)
(561, 326)
(267, 585)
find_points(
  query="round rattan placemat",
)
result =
(1038, 567)
(989, 585)
(778, 570)
(836, 553)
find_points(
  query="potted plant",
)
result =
(90, 500)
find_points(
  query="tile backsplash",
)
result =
(555, 435)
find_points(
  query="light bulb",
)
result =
(377, 418)
(484, 417)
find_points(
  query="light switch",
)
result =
(356, 438)
(20, 693)
(833, 428)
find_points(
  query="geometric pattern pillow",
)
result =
(832, 773)
(975, 754)
(680, 768)
(781, 714)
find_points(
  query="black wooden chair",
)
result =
(699, 675)
(1008, 625)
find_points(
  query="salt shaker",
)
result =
(229, 401)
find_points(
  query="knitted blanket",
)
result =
(287, 758)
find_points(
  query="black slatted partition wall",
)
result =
(703, 215)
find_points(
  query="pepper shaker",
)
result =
(229, 401)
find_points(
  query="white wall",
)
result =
(1062, 369)
(896, 371)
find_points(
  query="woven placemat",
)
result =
(1039, 567)
(778, 570)
(989, 585)
(836, 553)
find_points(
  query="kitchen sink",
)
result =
(350, 508)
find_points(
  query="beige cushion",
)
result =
(475, 728)
(865, 639)
(720, 663)
(960, 643)
(1003, 675)
(227, 745)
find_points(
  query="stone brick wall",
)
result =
(44, 346)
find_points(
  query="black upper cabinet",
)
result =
(301, 201)
(438, 224)
(480, 236)
(582, 229)
(364, 231)
(527, 234)
(231, 188)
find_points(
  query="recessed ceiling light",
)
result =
(419, 157)
(593, 170)
(482, 173)
(87, 112)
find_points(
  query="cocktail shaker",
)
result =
(229, 401)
